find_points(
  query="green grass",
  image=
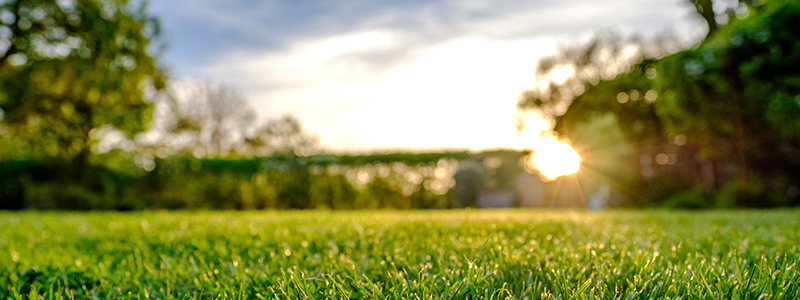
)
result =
(507, 254)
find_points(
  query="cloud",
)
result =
(369, 89)
(402, 74)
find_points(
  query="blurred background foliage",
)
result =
(70, 67)
(90, 120)
(279, 181)
(714, 125)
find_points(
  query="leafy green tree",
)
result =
(68, 68)
(725, 111)
(738, 95)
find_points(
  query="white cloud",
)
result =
(397, 88)
(460, 93)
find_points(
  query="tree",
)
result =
(726, 11)
(605, 57)
(727, 107)
(215, 120)
(283, 135)
(213, 117)
(739, 92)
(69, 67)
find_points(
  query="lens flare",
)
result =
(554, 158)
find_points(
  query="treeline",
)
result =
(279, 181)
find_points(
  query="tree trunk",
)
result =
(705, 9)
(741, 156)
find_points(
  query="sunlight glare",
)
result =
(554, 158)
(560, 74)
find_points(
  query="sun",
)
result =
(554, 158)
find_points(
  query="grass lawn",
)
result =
(498, 254)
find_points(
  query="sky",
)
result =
(394, 75)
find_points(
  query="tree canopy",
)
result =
(70, 67)
(720, 116)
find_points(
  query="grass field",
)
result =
(506, 254)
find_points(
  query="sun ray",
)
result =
(578, 188)
(592, 172)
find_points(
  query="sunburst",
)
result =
(554, 158)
